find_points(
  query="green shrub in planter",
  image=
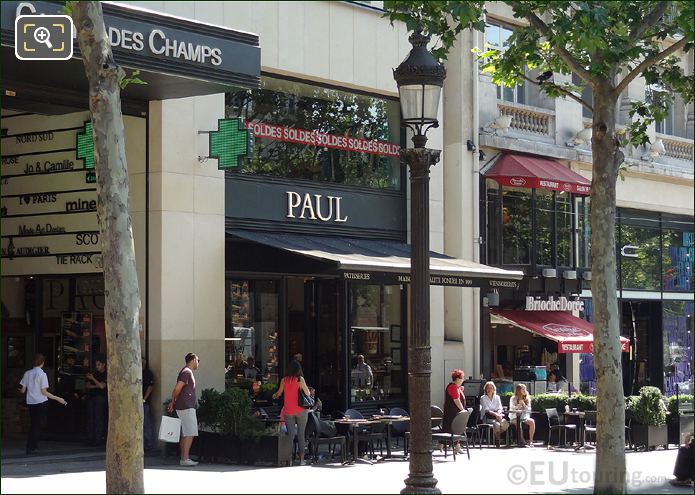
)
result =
(672, 404)
(235, 415)
(208, 407)
(648, 409)
(505, 397)
(541, 402)
(583, 402)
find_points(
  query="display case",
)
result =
(78, 344)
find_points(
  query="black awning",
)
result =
(383, 261)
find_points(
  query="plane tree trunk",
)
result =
(124, 447)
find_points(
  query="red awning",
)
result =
(537, 173)
(572, 334)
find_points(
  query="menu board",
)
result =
(77, 343)
(49, 200)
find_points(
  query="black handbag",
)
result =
(305, 401)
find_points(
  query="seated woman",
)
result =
(454, 402)
(327, 428)
(520, 405)
(492, 412)
(556, 382)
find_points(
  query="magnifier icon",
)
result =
(43, 35)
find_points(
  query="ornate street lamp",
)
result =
(420, 78)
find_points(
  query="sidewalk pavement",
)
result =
(490, 470)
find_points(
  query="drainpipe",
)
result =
(475, 177)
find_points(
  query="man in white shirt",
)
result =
(35, 384)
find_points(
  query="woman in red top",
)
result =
(295, 415)
(454, 402)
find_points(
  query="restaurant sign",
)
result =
(552, 304)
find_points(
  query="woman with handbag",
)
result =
(295, 415)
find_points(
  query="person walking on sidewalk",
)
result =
(35, 384)
(295, 416)
(147, 387)
(183, 399)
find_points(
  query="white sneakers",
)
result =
(188, 462)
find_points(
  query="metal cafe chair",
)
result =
(589, 425)
(436, 415)
(313, 434)
(484, 429)
(555, 424)
(399, 428)
(459, 426)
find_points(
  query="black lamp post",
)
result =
(420, 78)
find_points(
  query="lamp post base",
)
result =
(421, 483)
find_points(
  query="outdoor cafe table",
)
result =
(581, 417)
(353, 424)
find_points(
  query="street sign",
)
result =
(230, 143)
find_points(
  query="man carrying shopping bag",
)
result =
(183, 400)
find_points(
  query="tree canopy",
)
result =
(603, 43)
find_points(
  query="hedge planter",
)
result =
(649, 436)
(266, 450)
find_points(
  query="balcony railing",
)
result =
(527, 119)
(677, 147)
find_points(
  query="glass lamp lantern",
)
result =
(419, 79)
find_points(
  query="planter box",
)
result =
(267, 450)
(649, 436)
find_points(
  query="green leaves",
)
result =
(602, 42)
(133, 79)
(444, 20)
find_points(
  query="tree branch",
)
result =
(566, 56)
(562, 90)
(648, 62)
(650, 20)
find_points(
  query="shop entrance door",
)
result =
(322, 341)
(641, 320)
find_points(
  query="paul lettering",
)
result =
(293, 201)
(315, 207)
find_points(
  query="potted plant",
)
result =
(230, 430)
(648, 418)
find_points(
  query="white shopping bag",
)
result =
(170, 429)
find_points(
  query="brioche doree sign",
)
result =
(552, 304)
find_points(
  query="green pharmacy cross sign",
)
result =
(84, 150)
(230, 143)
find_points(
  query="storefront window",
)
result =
(640, 257)
(377, 342)
(587, 375)
(565, 226)
(678, 346)
(251, 332)
(583, 233)
(516, 226)
(678, 254)
(315, 133)
(494, 233)
(544, 227)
